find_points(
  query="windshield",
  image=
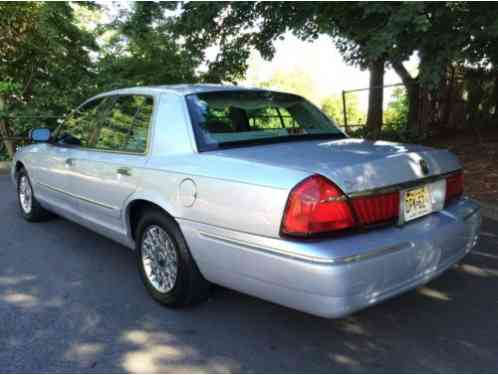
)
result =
(236, 118)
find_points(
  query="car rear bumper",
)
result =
(335, 277)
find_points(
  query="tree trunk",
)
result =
(375, 99)
(413, 94)
(448, 104)
(9, 145)
(495, 94)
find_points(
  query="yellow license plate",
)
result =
(417, 203)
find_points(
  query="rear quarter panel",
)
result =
(239, 195)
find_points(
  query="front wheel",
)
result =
(29, 205)
(166, 266)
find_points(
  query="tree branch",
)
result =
(28, 84)
(400, 69)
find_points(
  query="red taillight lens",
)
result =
(376, 208)
(454, 186)
(314, 206)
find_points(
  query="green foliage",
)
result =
(54, 55)
(51, 62)
(43, 55)
(295, 81)
(142, 50)
(235, 28)
(333, 107)
(396, 116)
(396, 112)
(367, 34)
(395, 120)
(364, 32)
(480, 96)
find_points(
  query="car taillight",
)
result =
(454, 186)
(316, 205)
(376, 208)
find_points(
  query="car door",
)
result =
(53, 161)
(107, 170)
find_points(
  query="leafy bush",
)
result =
(332, 106)
(395, 127)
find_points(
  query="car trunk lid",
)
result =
(355, 165)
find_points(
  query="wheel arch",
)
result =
(135, 208)
(18, 167)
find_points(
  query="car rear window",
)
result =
(234, 118)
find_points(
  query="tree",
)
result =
(445, 35)
(480, 23)
(43, 54)
(368, 34)
(235, 28)
(51, 63)
(141, 50)
(375, 34)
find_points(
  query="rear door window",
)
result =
(138, 136)
(126, 126)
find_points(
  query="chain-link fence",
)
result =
(354, 117)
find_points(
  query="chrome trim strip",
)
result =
(78, 197)
(401, 186)
(379, 252)
(308, 258)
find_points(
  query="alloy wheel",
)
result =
(25, 194)
(159, 259)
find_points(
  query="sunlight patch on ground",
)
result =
(157, 352)
(83, 353)
(345, 360)
(29, 301)
(478, 271)
(354, 328)
(433, 293)
(19, 299)
(14, 280)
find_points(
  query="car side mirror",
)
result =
(40, 135)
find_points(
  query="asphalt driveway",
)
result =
(72, 301)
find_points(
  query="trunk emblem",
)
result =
(424, 167)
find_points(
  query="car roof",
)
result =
(183, 89)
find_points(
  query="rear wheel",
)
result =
(29, 205)
(165, 263)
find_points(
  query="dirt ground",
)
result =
(478, 152)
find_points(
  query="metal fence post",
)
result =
(344, 112)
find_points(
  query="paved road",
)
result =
(71, 301)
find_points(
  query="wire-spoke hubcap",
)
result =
(25, 194)
(159, 259)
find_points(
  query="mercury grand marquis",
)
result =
(254, 190)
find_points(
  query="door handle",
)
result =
(124, 171)
(69, 162)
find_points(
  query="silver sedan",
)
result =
(251, 189)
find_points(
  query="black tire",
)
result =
(190, 287)
(36, 213)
